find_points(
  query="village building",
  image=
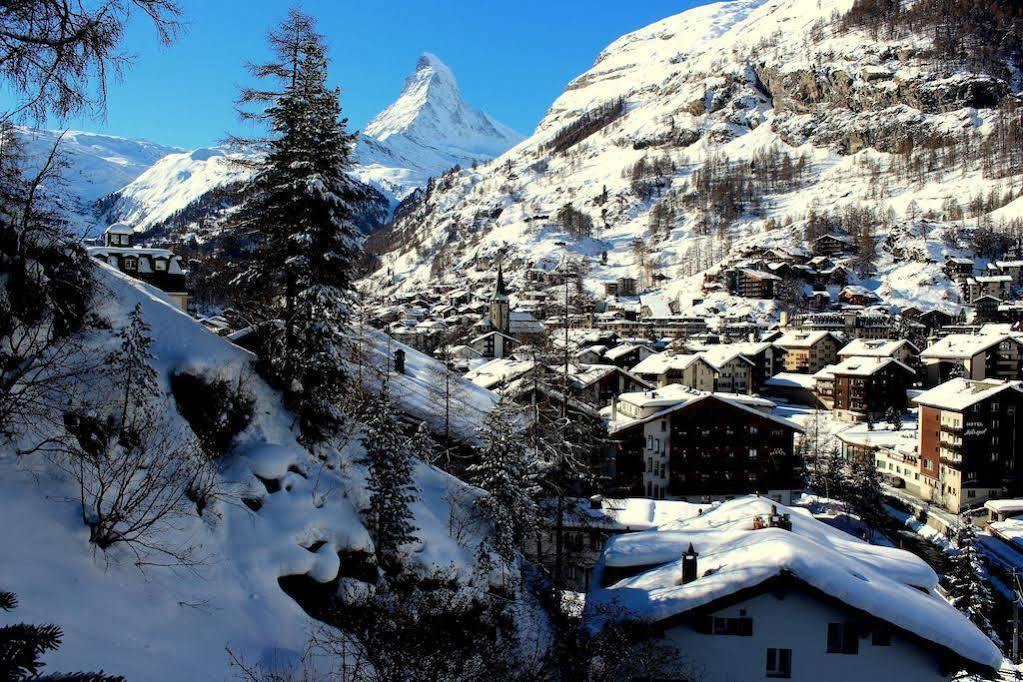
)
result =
(958, 268)
(832, 245)
(973, 356)
(699, 446)
(809, 352)
(998, 286)
(755, 284)
(157, 267)
(971, 442)
(662, 369)
(750, 590)
(864, 389)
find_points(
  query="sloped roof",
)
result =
(959, 394)
(890, 584)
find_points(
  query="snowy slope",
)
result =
(426, 131)
(728, 79)
(97, 165)
(170, 623)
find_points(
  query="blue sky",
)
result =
(511, 59)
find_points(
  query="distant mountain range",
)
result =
(165, 190)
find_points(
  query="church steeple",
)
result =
(500, 293)
(500, 310)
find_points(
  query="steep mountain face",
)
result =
(428, 130)
(97, 165)
(425, 132)
(731, 124)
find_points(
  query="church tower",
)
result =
(500, 309)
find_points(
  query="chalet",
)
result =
(755, 284)
(809, 351)
(977, 356)
(858, 295)
(699, 446)
(1012, 268)
(832, 245)
(157, 267)
(751, 589)
(986, 308)
(958, 268)
(732, 370)
(971, 441)
(767, 358)
(493, 345)
(628, 354)
(935, 319)
(667, 368)
(998, 286)
(866, 388)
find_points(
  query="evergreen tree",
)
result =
(506, 471)
(22, 647)
(298, 281)
(968, 588)
(828, 476)
(130, 368)
(865, 492)
(391, 487)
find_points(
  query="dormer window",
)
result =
(131, 264)
(160, 265)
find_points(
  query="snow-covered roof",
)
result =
(759, 274)
(418, 391)
(719, 356)
(624, 349)
(128, 251)
(629, 514)
(119, 228)
(959, 346)
(498, 371)
(1013, 506)
(890, 584)
(676, 397)
(875, 348)
(791, 380)
(657, 304)
(798, 339)
(865, 367)
(959, 394)
(659, 363)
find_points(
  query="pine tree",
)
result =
(968, 588)
(828, 476)
(865, 492)
(302, 204)
(130, 367)
(22, 646)
(506, 471)
(391, 487)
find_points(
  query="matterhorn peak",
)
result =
(431, 112)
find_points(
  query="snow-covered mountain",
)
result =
(678, 137)
(97, 164)
(426, 131)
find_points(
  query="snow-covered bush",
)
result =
(217, 410)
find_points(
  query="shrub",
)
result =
(216, 410)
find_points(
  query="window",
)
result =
(131, 263)
(843, 638)
(160, 264)
(881, 637)
(779, 663)
(664, 425)
(741, 627)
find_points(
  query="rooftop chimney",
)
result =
(689, 564)
(596, 501)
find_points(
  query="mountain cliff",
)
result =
(739, 123)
